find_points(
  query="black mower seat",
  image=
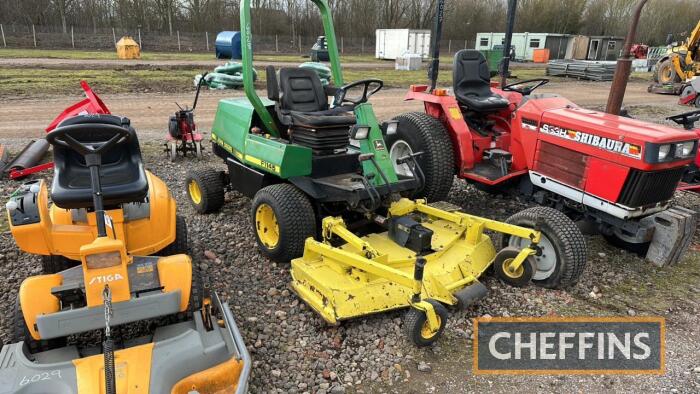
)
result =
(472, 86)
(122, 176)
(303, 101)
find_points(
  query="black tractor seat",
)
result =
(302, 107)
(122, 174)
(472, 86)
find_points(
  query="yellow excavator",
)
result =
(682, 61)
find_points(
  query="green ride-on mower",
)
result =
(361, 237)
(160, 332)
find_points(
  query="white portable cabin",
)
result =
(524, 43)
(393, 43)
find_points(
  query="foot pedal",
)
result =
(673, 233)
(470, 294)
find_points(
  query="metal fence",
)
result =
(53, 37)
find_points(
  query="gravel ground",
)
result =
(295, 351)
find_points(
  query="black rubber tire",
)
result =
(414, 320)
(180, 244)
(20, 333)
(197, 295)
(675, 78)
(566, 237)
(504, 256)
(640, 249)
(212, 189)
(52, 264)
(295, 216)
(423, 133)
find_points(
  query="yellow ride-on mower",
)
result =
(320, 170)
(144, 216)
(195, 347)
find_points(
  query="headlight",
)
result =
(685, 149)
(103, 260)
(390, 127)
(359, 132)
(664, 150)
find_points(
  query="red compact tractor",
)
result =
(615, 172)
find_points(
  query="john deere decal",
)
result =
(608, 144)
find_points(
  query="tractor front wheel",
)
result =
(179, 245)
(420, 132)
(20, 333)
(666, 73)
(562, 253)
(283, 218)
(205, 190)
(415, 324)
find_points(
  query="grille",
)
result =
(646, 188)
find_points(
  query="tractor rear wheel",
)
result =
(420, 132)
(666, 73)
(283, 218)
(20, 333)
(52, 264)
(179, 245)
(562, 255)
(205, 190)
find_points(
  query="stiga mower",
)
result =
(615, 172)
(200, 351)
(320, 171)
(182, 131)
(144, 217)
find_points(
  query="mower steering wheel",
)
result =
(529, 86)
(370, 87)
(61, 136)
(686, 119)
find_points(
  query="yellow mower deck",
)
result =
(374, 274)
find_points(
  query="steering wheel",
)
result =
(529, 86)
(370, 87)
(61, 136)
(686, 119)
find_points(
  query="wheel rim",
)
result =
(195, 192)
(546, 262)
(426, 332)
(401, 149)
(266, 225)
(510, 273)
(665, 74)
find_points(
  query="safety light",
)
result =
(685, 149)
(359, 132)
(390, 127)
(103, 260)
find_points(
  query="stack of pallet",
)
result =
(582, 69)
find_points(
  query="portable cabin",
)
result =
(393, 43)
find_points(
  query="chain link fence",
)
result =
(80, 38)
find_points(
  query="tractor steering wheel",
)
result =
(64, 137)
(525, 87)
(369, 88)
(686, 119)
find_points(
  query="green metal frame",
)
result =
(247, 47)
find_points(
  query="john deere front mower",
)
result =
(57, 225)
(326, 196)
(195, 346)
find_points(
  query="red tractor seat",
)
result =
(122, 174)
(472, 86)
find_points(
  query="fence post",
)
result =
(114, 37)
(449, 46)
(342, 45)
(4, 43)
(72, 38)
(362, 51)
(299, 43)
(34, 35)
(277, 44)
(140, 45)
(465, 44)
(206, 33)
(178, 40)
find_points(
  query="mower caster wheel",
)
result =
(52, 264)
(415, 324)
(562, 253)
(20, 333)
(179, 245)
(519, 277)
(283, 218)
(172, 151)
(205, 190)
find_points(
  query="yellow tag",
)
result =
(142, 269)
(455, 113)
